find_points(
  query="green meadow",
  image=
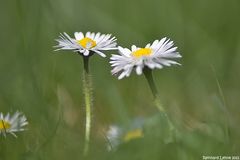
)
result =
(201, 97)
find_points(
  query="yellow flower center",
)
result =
(4, 125)
(137, 133)
(142, 52)
(87, 43)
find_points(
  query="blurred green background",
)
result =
(201, 97)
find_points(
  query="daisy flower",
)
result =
(156, 55)
(113, 135)
(87, 44)
(117, 135)
(12, 124)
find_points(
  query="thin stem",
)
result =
(224, 104)
(88, 103)
(148, 75)
(85, 64)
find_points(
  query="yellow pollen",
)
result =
(87, 43)
(142, 52)
(137, 133)
(4, 125)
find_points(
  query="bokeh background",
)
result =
(201, 96)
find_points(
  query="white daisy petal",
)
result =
(78, 35)
(124, 51)
(139, 70)
(88, 34)
(150, 65)
(134, 48)
(148, 45)
(92, 35)
(97, 36)
(100, 38)
(7, 117)
(86, 52)
(100, 53)
(122, 75)
(155, 43)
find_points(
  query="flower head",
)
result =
(155, 55)
(117, 135)
(113, 135)
(12, 124)
(84, 44)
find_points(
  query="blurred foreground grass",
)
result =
(201, 96)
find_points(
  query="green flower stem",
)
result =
(88, 102)
(148, 74)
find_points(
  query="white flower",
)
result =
(12, 124)
(116, 135)
(84, 44)
(155, 55)
(113, 135)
